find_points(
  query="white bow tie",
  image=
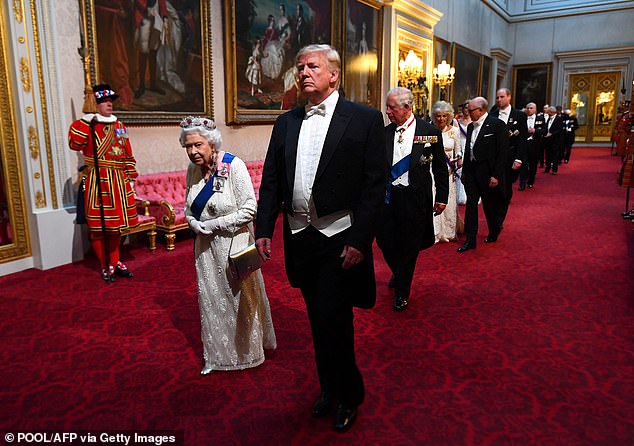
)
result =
(315, 110)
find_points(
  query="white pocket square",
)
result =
(427, 145)
(490, 134)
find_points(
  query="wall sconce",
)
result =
(443, 76)
(411, 75)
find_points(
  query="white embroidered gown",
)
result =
(236, 324)
(445, 223)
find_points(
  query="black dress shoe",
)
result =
(530, 186)
(322, 405)
(400, 304)
(107, 275)
(122, 271)
(392, 282)
(345, 418)
(466, 246)
(491, 239)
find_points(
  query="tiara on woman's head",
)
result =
(197, 121)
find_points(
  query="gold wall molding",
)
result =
(25, 74)
(34, 143)
(40, 201)
(43, 104)
(18, 10)
(20, 246)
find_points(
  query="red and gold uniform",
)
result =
(116, 170)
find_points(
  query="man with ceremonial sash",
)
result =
(412, 146)
(109, 205)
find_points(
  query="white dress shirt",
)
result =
(403, 148)
(477, 125)
(309, 146)
(530, 123)
(505, 113)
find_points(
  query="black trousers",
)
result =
(569, 141)
(400, 237)
(529, 168)
(476, 184)
(553, 148)
(329, 308)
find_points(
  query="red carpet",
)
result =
(527, 341)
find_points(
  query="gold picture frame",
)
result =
(531, 83)
(260, 47)
(363, 39)
(13, 219)
(175, 44)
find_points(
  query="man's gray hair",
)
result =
(442, 107)
(531, 103)
(552, 108)
(404, 96)
(480, 102)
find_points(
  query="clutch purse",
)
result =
(245, 261)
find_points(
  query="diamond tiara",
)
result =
(196, 121)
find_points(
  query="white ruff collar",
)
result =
(103, 119)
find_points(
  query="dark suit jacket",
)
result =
(556, 130)
(420, 176)
(490, 148)
(518, 133)
(350, 176)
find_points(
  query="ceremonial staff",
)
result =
(97, 177)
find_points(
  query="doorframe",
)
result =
(620, 59)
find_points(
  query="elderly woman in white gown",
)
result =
(235, 316)
(442, 117)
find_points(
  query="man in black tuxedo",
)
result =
(483, 168)
(536, 130)
(515, 121)
(553, 140)
(412, 146)
(571, 125)
(325, 167)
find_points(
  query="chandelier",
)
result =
(444, 75)
(411, 75)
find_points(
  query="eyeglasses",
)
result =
(474, 109)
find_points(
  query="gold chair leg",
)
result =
(169, 238)
(152, 239)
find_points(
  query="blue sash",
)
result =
(205, 194)
(398, 169)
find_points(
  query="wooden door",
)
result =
(593, 100)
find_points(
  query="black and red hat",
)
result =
(103, 93)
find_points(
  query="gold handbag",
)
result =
(247, 260)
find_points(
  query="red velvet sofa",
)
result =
(165, 194)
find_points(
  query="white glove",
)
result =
(197, 226)
(211, 225)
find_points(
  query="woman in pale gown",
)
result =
(445, 223)
(461, 123)
(235, 316)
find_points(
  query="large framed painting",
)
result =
(467, 81)
(486, 77)
(158, 58)
(361, 77)
(442, 51)
(531, 83)
(262, 38)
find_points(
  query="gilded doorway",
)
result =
(593, 99)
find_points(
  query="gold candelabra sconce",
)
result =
(444, 75)
(411, 75)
